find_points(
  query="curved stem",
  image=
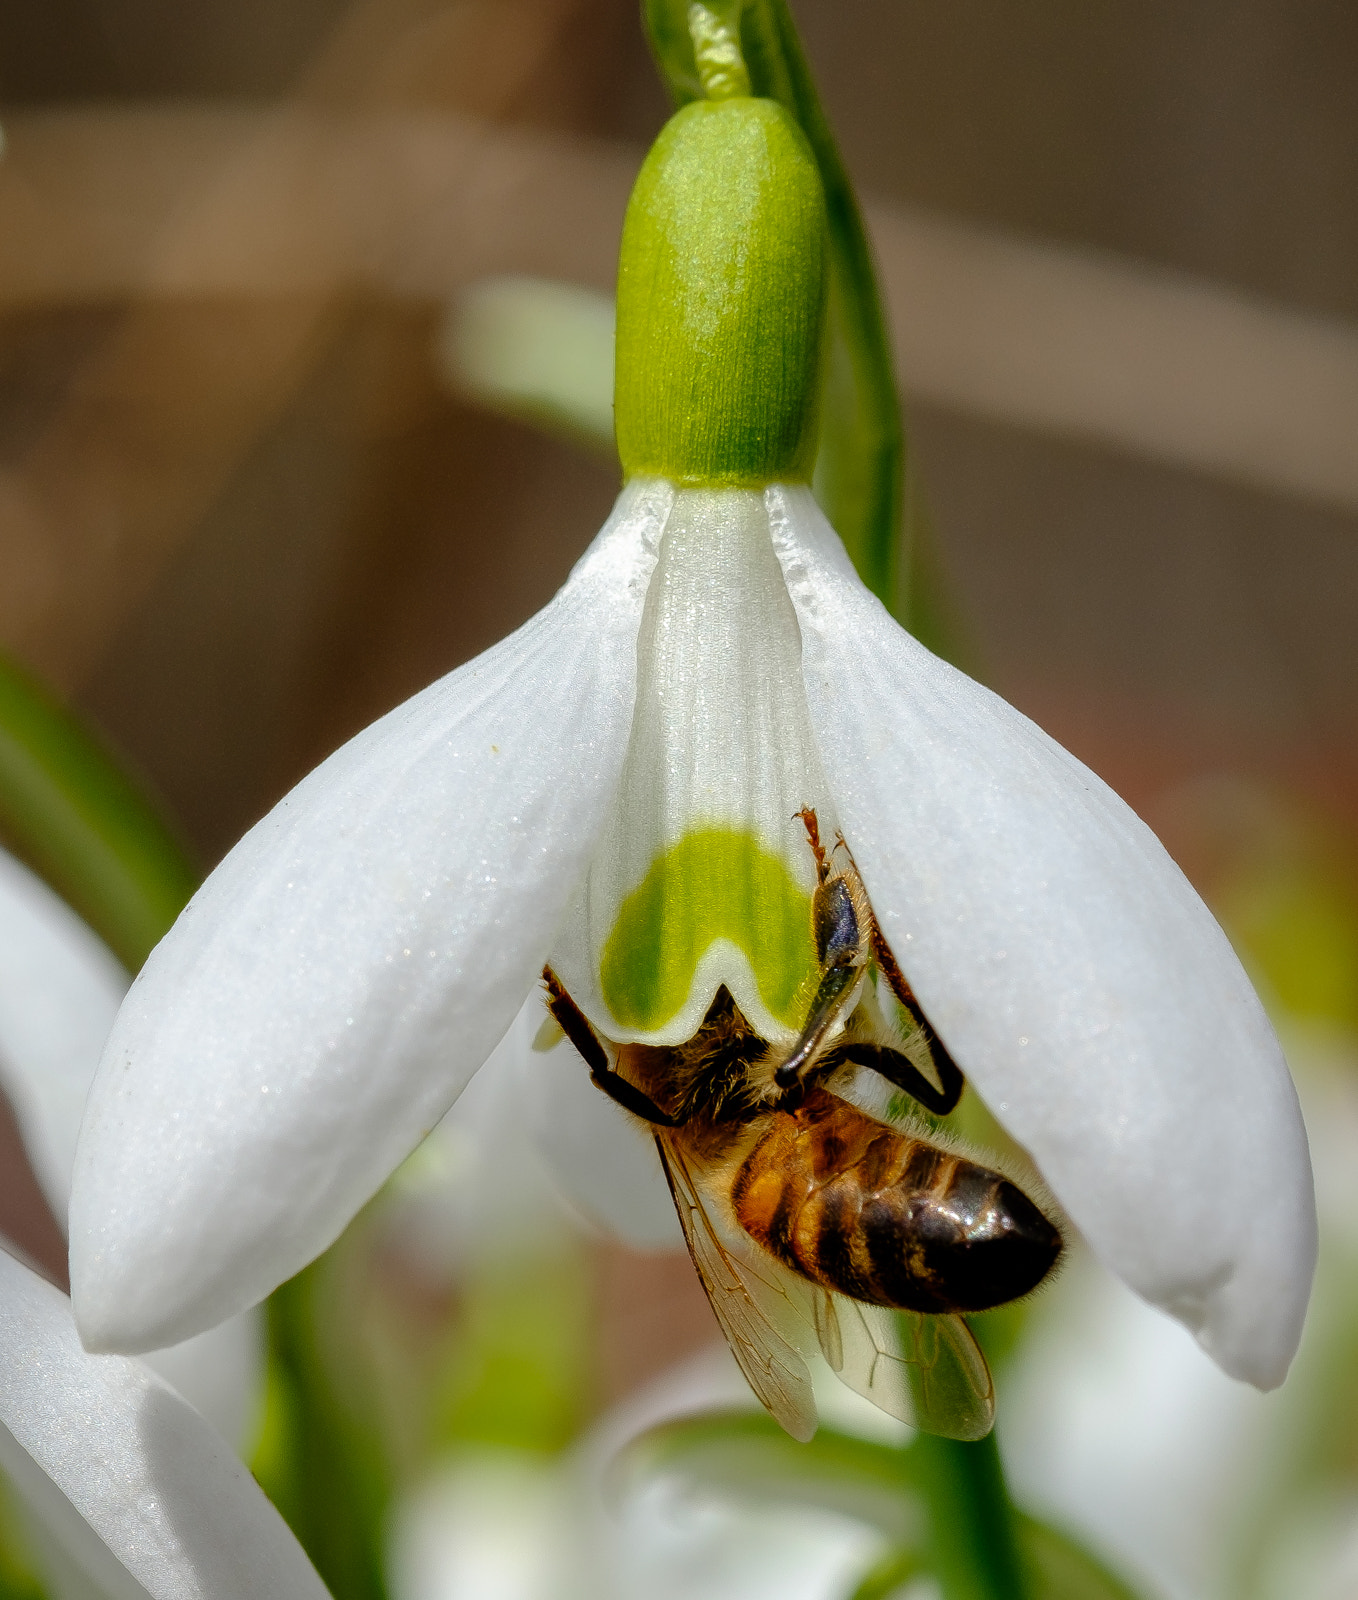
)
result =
(714, 28)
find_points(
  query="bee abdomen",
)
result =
(889, 1219)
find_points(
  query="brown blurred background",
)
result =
(240, 513)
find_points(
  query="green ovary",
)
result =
(717, 884)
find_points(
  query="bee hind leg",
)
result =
(949, 1073)
(897, 1069)
(575, 1025)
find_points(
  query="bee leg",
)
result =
(825, 1007)
(897, 1069)
(839, 948)
(575, 1025)
(948, 1070)
(807, 818)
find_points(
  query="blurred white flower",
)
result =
(60, 989)
(536, 349)
(1115, 1425)
(129, 1493)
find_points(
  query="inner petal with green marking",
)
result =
(703, 875)
(713, 885)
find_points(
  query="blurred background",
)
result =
(246, 504)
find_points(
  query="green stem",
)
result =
(861, 473)
(974, 1530)
(715, 31)
(73, 814)
(860, 470)
(319, 1459)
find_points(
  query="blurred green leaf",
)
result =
(998, 1554)
(890, 1576)
(19, 1579)
(1298, 922)
(72, 812)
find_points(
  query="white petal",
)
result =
(60, 989)
(221, 1374)
(140, 1494)
(449, 1207)
(351, 963)
(720, 740)
(604, 1162)
(1069, 967)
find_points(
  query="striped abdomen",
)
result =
(886, 1218)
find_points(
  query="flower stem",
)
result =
(714, 28)
(974, 1538)
(860, 468)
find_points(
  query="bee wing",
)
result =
(928, 1371)
(766, 1320)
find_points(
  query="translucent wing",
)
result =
(765, 1314)
(928, 1371)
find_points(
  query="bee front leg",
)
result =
(575, 1025)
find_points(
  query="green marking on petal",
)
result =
(716, 884)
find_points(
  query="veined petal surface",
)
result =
(336, 981)
(1069, 967)
(703, 875)
(129, 1489)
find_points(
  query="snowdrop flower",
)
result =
(614, 789)
(60, 989)
(127, 1492)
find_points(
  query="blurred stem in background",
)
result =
(320, 1457)
(973, 1538)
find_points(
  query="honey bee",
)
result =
(820, 1215)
